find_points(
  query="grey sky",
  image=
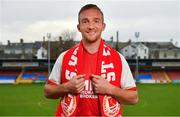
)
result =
(156, 20)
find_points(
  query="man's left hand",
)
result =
(100, 84)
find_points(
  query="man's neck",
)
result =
(91, 47)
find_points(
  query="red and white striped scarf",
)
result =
(108, 66)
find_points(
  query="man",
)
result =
(92, 79)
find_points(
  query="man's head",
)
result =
(90, 6)
(91, 22)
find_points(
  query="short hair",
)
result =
(90, 6)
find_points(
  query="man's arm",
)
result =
(75, 85)
(54, 91)
(123, 96)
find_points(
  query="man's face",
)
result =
(91, 25)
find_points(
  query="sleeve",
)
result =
(127, 80)
(55, 76)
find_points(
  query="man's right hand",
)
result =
(76, 84)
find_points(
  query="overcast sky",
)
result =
(156, 20)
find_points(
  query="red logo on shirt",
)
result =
(111, 106)
(68, 104)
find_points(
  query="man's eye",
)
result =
(84, 21)
(97, 21)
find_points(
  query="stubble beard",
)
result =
(89, 40)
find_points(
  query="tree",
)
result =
(67, 40)
(68, 35)
(61, 43)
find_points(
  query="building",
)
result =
(41, 53)
(20, 50)
(130, 50)
(135, 48)
(162, 50)
(151, 50)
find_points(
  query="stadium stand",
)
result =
(24, 71)
(145, 77)
(159, 76)
(156, 70)
(8, 76)
(36, 71)
(174, 76)
(32, 76)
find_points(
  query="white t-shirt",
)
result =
(127, 80)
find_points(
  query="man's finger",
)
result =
(80, 76)
(96, 76)
(95, 80)
(80, 89)
(81, 84)
(80, 80)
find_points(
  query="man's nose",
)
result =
(91, 25)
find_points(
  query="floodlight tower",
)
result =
(137, 34)
(49, 57)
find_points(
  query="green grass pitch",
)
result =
(29, 100)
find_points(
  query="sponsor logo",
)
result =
(110, 106)
(68, 105)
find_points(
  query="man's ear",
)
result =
(104, 26)
(78, 27)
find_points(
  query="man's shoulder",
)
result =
(112, 49)
(61, 56)
(67, 51)
(63, 53)
(115, 52)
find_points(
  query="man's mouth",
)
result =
(91, 33)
